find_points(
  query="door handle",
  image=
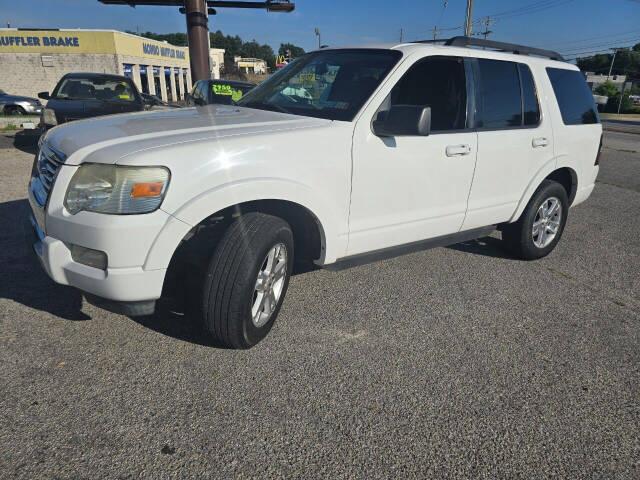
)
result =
(540, 142)
(458, 150)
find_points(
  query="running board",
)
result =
(396, 251)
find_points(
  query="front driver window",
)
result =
(437, 82)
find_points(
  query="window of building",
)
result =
(575, 99)
(437, 82)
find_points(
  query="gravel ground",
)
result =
(454, 362)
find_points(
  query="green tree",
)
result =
(608, 89)
(627, 62)
(294, 49)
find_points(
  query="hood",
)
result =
(125, 134)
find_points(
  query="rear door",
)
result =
(515, 139)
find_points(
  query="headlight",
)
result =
(116, 189)
(49, 117)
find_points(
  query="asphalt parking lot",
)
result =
(453, 362)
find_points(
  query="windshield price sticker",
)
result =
(307, 77)
(222, 90)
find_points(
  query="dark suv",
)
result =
(84, 95)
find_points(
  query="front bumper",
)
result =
(125, 239)
(32, 109)
(132, 284)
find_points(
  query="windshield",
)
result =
(332, 84)
(111, 90)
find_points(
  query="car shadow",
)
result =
(169, 320)
(23, 279)
(486, 246)
(26, 140)
(174, 317)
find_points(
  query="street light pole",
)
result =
(198, 34)
(318, 35)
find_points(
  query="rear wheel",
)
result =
(540, 227)
(247, 279)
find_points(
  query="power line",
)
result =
(604, 46)
(532, 8)
(594, 45)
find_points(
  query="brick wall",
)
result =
(24, 74)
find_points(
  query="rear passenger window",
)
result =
(499, 102)
(438, 82)
(575, 99)
(531, 108)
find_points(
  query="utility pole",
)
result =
(487, 22)
(318, 35)
(401, 32)
(434, 30)
(467, 27)
(615, 50)
(621, 97)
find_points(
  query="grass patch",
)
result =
(9, 128)
(18, 117)
(622, 116)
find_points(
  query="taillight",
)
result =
(599, 151)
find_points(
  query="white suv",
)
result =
(343, 157)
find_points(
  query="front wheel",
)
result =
(247, 279)
(540, 227)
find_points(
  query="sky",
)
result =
(569, 26)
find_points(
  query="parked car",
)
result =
(84, 95)
(224, 92)
(398, 149)
(18, 105)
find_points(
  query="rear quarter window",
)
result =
(576, 102)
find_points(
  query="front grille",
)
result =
(45, 169)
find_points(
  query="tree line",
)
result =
(234, 46)
(627, 62)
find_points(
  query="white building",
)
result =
(251, 65)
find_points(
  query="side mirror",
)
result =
(403, 121)
(44, 95)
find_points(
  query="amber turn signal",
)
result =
(147, 190)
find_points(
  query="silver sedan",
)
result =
(18, 105)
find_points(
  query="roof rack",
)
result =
(502, 46)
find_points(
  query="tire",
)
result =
(519, 237)
(19, 110)
(231, 279)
